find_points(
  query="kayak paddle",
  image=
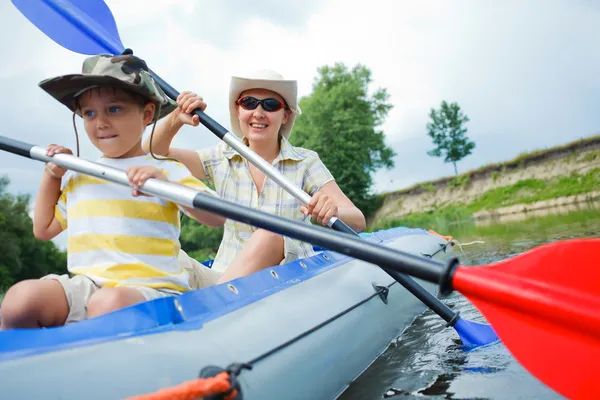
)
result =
(544, 303)
(88, 27)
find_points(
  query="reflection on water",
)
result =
(524, 216)
(427, 361)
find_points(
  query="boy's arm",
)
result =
(45, 224)
(181, 176)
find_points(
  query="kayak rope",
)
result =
(196, 389)
(451, 239)
(224, 382)
(460, 245)
(216, 382)
(319, 326)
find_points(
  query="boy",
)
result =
(122, 245)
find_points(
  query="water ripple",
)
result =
(428, 362)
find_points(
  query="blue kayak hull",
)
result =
(165, 342)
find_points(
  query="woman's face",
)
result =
(258, 124)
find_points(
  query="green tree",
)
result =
(22, 256)
(201, 242)
(447, 130)
(339, 122)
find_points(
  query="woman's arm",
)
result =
(165, 132)
(330, 201)
(205, 217)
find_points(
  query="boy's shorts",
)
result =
(80, 288)
(199, 275)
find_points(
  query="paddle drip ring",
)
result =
(446, 277)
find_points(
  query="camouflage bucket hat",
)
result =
(123, 71)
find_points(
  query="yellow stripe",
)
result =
(162, 285)
(121, 272)
(63, 198)
(125, 209)
(83, 180)
(123, 243)
(192, 182)
(58, 215)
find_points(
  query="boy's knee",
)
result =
(106, 300)
(21, 302)
(20, 295)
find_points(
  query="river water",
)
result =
(427, 362)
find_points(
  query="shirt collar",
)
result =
(286, 152)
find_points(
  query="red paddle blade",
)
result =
(545, 306)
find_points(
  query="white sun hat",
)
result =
(264, 79)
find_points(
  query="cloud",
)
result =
(524, 72)
(217, 23)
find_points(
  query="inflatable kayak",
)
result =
(313, 325)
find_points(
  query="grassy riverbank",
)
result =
(526, 191)
(540, 179)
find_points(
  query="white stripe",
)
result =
(126, 226)
(123, 226)
(174, 171)
(108, 192)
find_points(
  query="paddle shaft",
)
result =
(239, 146)
(525, 329)
(350, 245)
(98, 34)
(335, 223)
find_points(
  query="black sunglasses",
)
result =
(269, 105)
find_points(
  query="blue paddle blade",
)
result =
(474, 334)
(82, 26)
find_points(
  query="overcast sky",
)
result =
(525, 72)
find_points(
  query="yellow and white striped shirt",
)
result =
(117, 239)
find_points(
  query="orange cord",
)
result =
(192, 390)
(437, 234)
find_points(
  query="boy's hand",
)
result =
(52, 169)
(321, 207)
(188, 102)
(138, 175)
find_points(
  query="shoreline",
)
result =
(555, 177)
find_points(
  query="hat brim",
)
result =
(288, 89)
(65, 88)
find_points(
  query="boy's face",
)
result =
(115, 121)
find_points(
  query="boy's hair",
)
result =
(135, 97)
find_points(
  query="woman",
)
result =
(263, 107)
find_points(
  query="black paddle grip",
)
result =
(409, 284)
(15, 146)
(446, 276)
(205, 120)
